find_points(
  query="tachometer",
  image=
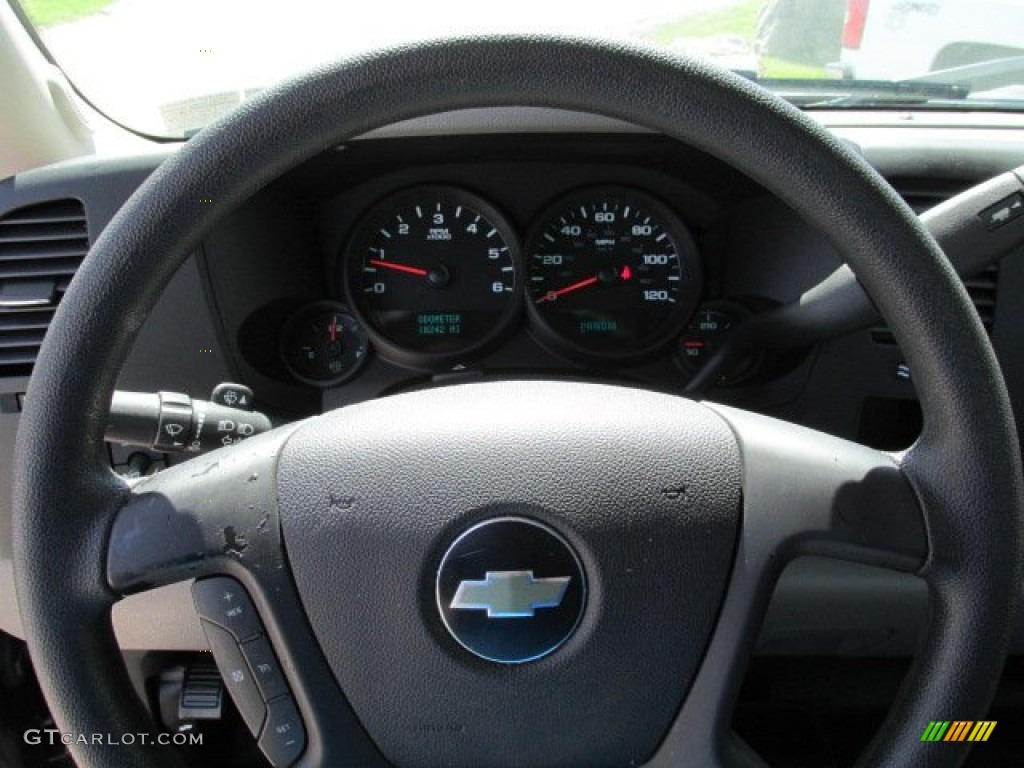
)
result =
(433, 273)
(612, 274)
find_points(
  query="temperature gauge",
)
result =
(707, 330)
(323, 344)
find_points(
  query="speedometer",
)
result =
(612, 275)
(432, 271)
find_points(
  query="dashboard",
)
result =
(502, 244)
(622, 257)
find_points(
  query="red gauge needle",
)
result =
(399, 267)
(334, 329)
(552, 295)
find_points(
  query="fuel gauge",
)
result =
(323, 344)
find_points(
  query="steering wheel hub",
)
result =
(587, 529)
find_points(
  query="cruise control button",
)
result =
(265, 669)
(284, 736)
(224, 602)
(238, 679)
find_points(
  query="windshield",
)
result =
(167, 67)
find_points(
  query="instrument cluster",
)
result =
(435, 276)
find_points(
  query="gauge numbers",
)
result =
(612, 275)
(433, 273)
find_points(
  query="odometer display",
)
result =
(611, 275)
(433, 273)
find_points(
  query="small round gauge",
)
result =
(612, 275)
(708, 329)
(433, 272)
(323, 344)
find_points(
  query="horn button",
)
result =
(513, 574)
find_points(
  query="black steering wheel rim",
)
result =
(966, 468)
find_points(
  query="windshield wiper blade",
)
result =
(942, 86)
(984, 76)
(827, 94)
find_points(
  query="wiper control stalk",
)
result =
(171, 422)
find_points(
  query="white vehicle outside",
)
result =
(896, 39)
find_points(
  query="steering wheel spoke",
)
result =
(804, 493)
(215, 519)
(214, 514)
(809, 493)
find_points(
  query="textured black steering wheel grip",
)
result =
(966, 471)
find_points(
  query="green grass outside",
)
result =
(780, 69)
(46, 13)
(739, 20)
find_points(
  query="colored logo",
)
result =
(510, 594)
(510, 590)
(958, 730)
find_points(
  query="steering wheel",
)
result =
(678, 516)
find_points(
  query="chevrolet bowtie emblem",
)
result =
(510, 594)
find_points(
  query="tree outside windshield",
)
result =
(167, 68)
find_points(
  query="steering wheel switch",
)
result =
(250, 669)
